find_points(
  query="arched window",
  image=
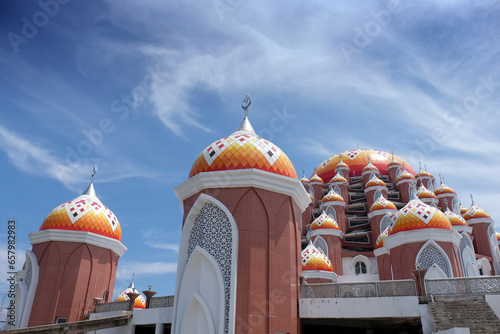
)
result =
(311, 191)
(337, 190)
(321, 245)
(384, 223)
(331, 212)
(377, 194)
(431, 254)
(360, 268)
(467, 256)
(360, 265)
(454, 205)
(398, 172)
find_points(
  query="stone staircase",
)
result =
(464, 311)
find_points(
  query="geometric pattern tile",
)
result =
(444, 189)
(243, 150)
(416, 215)
(338, 178)
(313, 259)
(423, 192)
(455, 219)
(381, 203)
(380, 240)
(357, 160)
(332, 196)
(85, 213)
(324, 221)
(374, 181)
(476, 212)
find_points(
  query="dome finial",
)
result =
(472, 200)
(90, 189)
(304, 173)
(420, 165)
(247, 101)
(413, 192)
(94, 171)
(446, 204)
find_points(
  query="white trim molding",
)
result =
(380, 212)
(321, 274)
(78, 236)
(423, 235)
(327, 231)
(254, 178)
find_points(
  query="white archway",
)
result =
(432, 254)
(321, 245)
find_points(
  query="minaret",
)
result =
(242, 206)
(74, 259)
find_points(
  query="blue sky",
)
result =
(154, 82)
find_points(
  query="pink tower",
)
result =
(242, 207)
(74, 259)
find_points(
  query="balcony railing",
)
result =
(361, 289)
(464, 285)
(114, 306)
(166, 301)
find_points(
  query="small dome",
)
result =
(374, 181)
(85, 213)
(338, 178)
(393, 162)
(332, 196)
(304, 179)
(476, 212)
(382, 204)
(313, 259)
(498, 236)
(417, 215)
(423, 192)
(443, 189)
(243, 150)
(316, 178)
(405, 176)
(324, 221)
(369, 167)
(140, 302)
(455, 219)
(341, 165)
(380, 240)
(357, 160)
(463, 210)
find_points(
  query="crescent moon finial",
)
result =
(247, 101)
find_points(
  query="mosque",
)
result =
(364, 245)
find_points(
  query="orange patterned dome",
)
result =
(423, 192)
(304, 179)
(443, 189)
(356, 160)
(332, 196)
(324, 221)
(476, 212)
(417, 215)
(405, 175)
(380, 240)
(313, 259)
(498, 236)
(455, 219)
(374, 181)
(86, 213)
(338, 178)
(382, 204)
(463, 210)
(316, 178)
(243, 150)
(140, 302)
(370, 167)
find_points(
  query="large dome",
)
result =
(356, 160)
(85, 213)
(243, 150)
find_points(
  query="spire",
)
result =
(245, 125)
(413, 192)
(132, 286)
(90, 189)
(472, 200)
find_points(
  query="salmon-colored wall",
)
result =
(384, 267)
(403, 259)
(71, 274)
(307, 217)
(318, 193)
(480, 239)
(269, 258)
(403, 192)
